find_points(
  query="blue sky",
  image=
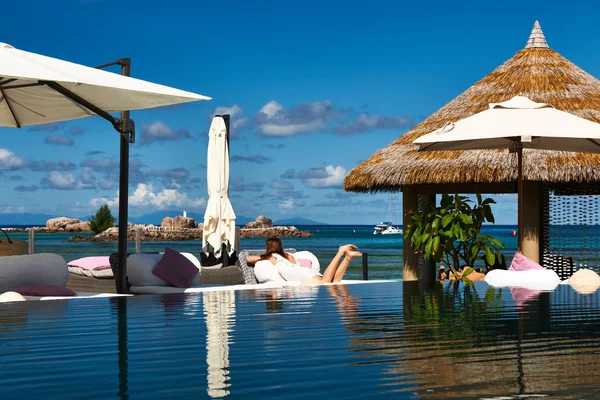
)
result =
(314, 88)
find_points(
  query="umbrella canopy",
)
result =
(27, 99)
(515, 124)
(219, 218)
(536, 71)
(36, 89)
(535, 125)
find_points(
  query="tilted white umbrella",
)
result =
(516, 124)
(36, 89)
(219, 218)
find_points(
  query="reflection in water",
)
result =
(389, 340)
(123, 351)
(219, 311)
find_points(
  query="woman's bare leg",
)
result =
(329, 273)
(341, 270)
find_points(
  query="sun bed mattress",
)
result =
(102, 274)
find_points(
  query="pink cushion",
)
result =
(522, 263)
(44, 290)
(305, 263)
(176, 269)
(91, 263)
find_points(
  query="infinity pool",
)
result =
(389, 340)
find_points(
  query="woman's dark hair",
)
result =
(441, 271)
(273, 246)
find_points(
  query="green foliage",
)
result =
(102, 220)
(451, 232)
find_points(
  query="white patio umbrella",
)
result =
(516, 124)
(36, 89)
(219, 218)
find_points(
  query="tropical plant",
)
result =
(102, 220)
(451, 233)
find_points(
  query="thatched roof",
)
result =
(537, 72)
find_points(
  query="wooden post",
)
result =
(31, 240)
(532, 226)
(410, 203)
(138, 240)
(365, 266)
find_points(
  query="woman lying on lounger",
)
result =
(290, 269)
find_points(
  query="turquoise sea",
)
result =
(385, 251)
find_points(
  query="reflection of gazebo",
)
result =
(541, 74)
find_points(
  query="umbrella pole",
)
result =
(123, 196)
(520, 195)
(126, 128)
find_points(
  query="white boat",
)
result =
(386, 228)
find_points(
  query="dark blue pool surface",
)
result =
(388, 340)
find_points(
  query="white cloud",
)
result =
(12, 210)
(274, 120)
(291, 204)
(60, 140)
(66, 181)
(232, 111)
(291, 129)
(323, 177)
(145, 197)
(366, 122)
(238, 123)
(9, 160)
(160, 132)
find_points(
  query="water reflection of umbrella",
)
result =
(36, 89)
(219, 218)
(219, 313)
(522, 296)
(517, 124)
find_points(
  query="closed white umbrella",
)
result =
(36, 89)
(516, 124)
(219, 218)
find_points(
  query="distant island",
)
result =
(154, 218)
(171, 229)
(298, 221)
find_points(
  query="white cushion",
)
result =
(265, 271)
(34, 269)
(8, 297)
(537, 279)
(140, 266)
(307, 255)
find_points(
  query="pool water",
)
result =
(385, 340)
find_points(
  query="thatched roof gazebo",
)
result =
(537, 72)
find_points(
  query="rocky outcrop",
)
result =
(261, 222)
(146, 235)
(274, 232)
(64, 224)
(179, 222)
(78, 227)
